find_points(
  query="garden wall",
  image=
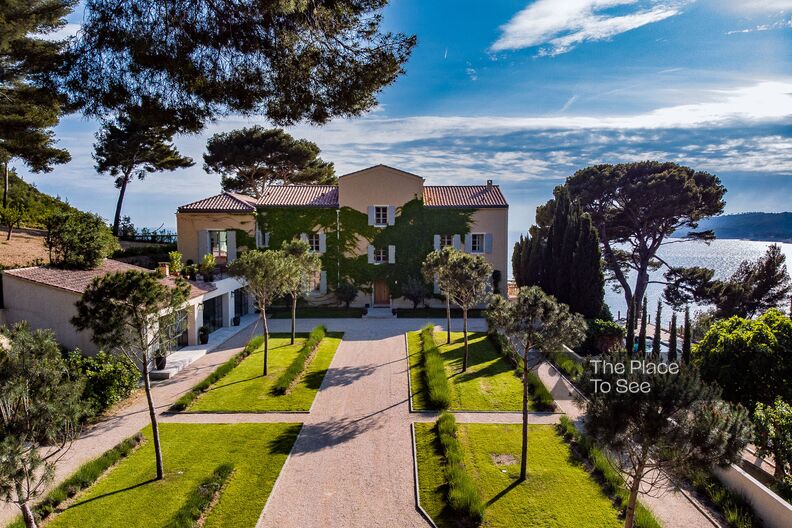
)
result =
(774, 511)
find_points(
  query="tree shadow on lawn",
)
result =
(282, 444)
(111, 493)
(480, 353)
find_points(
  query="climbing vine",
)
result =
(348, 234)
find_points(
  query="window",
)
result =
(477, 243)
(446, 240)
(381, 215)
(313, 242)
(380, 255)
(315, 282)
(218, 243)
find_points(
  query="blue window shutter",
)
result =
(488, 243)
(371, 215)
(203, 243)
(259, 237)
(322, 243)
(468, 242)
(437, 242)
(436, 285)
(304, 237)
(391, 254)
(457, 241)
(322, 282)
(391, 214)
(371, 254)
(266, 239)
(232, 246)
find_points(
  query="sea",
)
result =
(722, 255)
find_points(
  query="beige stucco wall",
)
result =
(774, 511)
(45, 307)
(378, 185)
(495, 221)
(189, 224)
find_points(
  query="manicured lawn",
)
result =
(490, 383)
(244, 389)
(127, 496)
(436, 313)
(557, 493)
(318, 312)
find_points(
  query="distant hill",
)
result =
(772, 227)
(38, 205)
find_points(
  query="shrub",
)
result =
(434, 370)
(200, 498)
(463, 497)
(345, 292)
(85, 475)
(218, 373)
(108, 378)
(78, 240)
(735, 508)
(298, 364)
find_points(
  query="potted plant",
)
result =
(207, 267)
(192, 272)
(203, 334)
(237, 319)
(160, 362)
(175, 263)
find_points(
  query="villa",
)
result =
(373, 229)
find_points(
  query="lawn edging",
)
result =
(417, 485)
(186, 399)
(81, 479)
(202, 498)
(297, 367)
(434, 370)
(584, 448)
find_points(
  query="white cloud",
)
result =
(781, 24)
(62, 33)
(756, 5)
(561, 25)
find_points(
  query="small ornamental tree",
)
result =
(301, 265)
(433, 270)
(265, 276)
(250, 159)
(345, 293)
(674, 423)
(538, 322)
(773, 428)
(41, 413)
(672, 340)
(466, 278)
(135, 314)
(415, 291)
(78, 240)
(656, 347)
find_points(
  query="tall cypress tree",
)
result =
(630, 339)
(657, 329)
(642, 332)
(687, 342)
(672, 341)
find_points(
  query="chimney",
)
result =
(489, 184)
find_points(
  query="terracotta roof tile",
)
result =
(77, 281)
(220, 203)
(475, 196)
(300, 196)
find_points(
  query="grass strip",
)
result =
(289, 376)
(542, 399)
(85, 475)
(434, 370)
(463, 497)
(601, 467)
(218, 373)
(734, 507)
(201, 499)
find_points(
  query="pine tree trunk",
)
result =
(5, 185)
(448, 320)
(154, 424)
(779, 472)
(629, 518)
(117, 217)
(27, 515)
(266, 338)
(293, 318)
(524, 458)
(465, 334)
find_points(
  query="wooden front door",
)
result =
(381, 293)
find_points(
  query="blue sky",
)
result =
(526, 92)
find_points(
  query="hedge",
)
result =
(434, 370)
(85, 475)
(463, 497)
(199, 499)
(220, 372)
(610, 479)
(109, 378)
(286, 380)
